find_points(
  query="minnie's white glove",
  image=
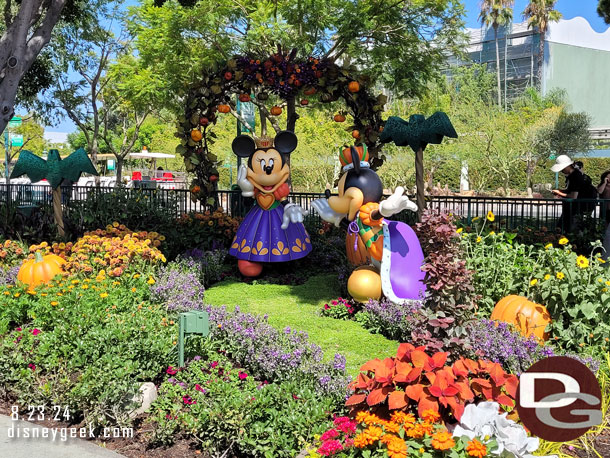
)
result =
(247, 188)
(293, 213)
(396, 203)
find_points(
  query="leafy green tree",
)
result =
(603, 9)
(27, 27)
(495, 13)
(571, 133)
(540, 14)
(33, 138)
(398, 43)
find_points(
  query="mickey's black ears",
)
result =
(243, 146)
(355, 159)
(285, 142)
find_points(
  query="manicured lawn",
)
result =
(297, 307)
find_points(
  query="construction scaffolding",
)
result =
(519, 50)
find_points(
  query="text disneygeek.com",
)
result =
(32, 432)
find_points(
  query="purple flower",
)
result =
(196, 358)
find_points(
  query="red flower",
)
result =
(243, 375)
(188, 400)
(35, 331)
(330, 434)
(214, 364)
(32, 366)
(171, 370)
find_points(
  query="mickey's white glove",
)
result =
(247, 188)
(327, 213)
(396, 203)
(293, 213)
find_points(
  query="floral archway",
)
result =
(274, 84)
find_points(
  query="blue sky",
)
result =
(569, 9)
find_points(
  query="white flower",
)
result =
(483, 420)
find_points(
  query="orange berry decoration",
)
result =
(244, 98)
(356, 134)
(304, 102)
(339, 118)
(276, 111)
(224, 108)
(196, 135)
(353, 86)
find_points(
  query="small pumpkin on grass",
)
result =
(41, 269)
(528, 317)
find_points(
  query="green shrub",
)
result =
(225, 408)
(96, 343)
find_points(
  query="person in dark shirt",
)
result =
(578, 193)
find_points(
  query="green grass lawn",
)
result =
(298, 307)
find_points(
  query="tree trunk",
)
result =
(119, 170)
(528, 177)
(18, 51)
(540, 59)
(498, 67)
(419, 181)
(58, 211)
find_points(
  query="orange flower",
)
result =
(391, 427)
(387, 438)
(427, 428)
(397, 448)
(476, 449)
(360, 441)
(442, 440)
(407, 419)
(431, 415)
(416, 431)
(373, 433)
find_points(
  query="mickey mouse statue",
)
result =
(391, 248)
(273, 230)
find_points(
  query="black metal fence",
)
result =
(509, 212)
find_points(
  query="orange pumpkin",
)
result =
(309, 91)
(353, 86)
(304, 102)
(244, 98)
(41, 269)
(528, 317)
(339, 118)
(360, 256)
(356, 134)
(276, 111)
(223, 108)
(196, 135)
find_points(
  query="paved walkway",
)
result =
(13, 444)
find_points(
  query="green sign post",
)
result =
(15, 121)
(17, 140)
(195, 322)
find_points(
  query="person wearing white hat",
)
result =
(577, 187)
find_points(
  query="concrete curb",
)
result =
(14, 444)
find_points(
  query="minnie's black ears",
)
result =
(243, 146)
(285, 142)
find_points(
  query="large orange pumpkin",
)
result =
(528, 317)
(41, 269)
(357, 257)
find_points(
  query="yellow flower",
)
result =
(548, 245)
(115, 224)
(475, 218)
(17, 294)
(75, 282)
(582, 262)
(547, 276)
(604, 290)
(133, 290)
(607, 282)
(601, 260)
(533, 281)
(492, 233)
(459, 231)
(490, 216)
(563, 241)
(54, 303)
(561, 275)
(601, 280)
(103, 295)
(136, 275)
(478, 239)
(7, 293)
(151, 281)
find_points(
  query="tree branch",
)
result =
(241, 119)
(263, 109)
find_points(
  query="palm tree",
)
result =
(495, 13)
(539, 14)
